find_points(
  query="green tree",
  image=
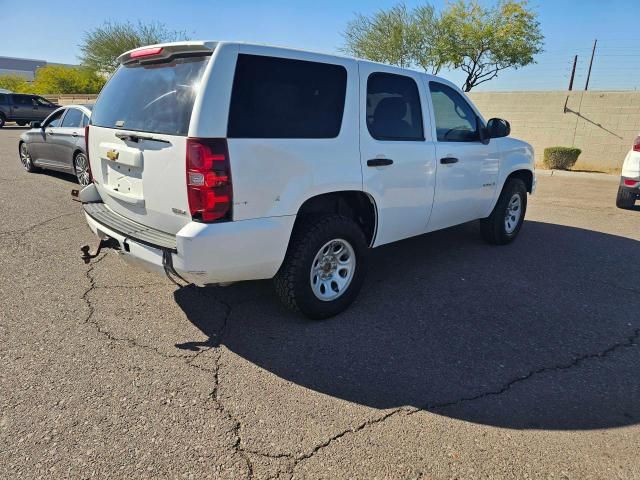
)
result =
(397, 36)
(60, 79)
(101, 47)
(15, 83)
(483, 41)
(480, 41)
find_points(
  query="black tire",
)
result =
(3, 120)
(27, 164)
(625, 199)
(494, 228)
(21, 123)
(293, 282)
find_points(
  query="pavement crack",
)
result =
(37, 225)
(630, 341)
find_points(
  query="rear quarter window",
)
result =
(284, 98)
(156, 98)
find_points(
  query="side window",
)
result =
(54, 119)
(455, 119)
(42, 102)
(284, 98)
(22, 101)
(72, 119)
(3, 98)
(85, 121)
(393, 108)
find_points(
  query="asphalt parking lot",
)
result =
(459, 360)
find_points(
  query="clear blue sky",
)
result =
(52, 30)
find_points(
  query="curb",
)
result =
(568, 173)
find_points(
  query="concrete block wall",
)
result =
(70, 99)
(602, 124)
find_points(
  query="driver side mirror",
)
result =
(35, 125)
(498, 128)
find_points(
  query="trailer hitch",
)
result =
(88, 254)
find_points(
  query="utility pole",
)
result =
(593, 52)
(573, 72)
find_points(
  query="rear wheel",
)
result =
(21, 123)
(626, 199)
(25, 158)
(324, 267)
(504, 223)
(81, 167)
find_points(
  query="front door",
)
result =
(43, 148)
(467, 168)
(397, 152)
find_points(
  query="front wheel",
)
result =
(504, 223)
(3, 120)
(25, 158)
(625, 199)
(325, 266)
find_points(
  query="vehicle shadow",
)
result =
(542, 333)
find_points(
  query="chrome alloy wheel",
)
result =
(513, 213)
(332, 270)
(25, 157)
(82, 169)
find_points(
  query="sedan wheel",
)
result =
(25, 158)
(81, 164)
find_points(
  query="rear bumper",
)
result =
(203, 253)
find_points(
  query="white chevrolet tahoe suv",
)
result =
(218, 162)
(629, 189)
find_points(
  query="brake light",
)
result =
(86, 150)
(636, 144)
(146, 52)
(209, 185)
(630, 183)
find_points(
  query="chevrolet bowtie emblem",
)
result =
(113, 155)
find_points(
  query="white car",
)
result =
(218, 162)
(629, 189)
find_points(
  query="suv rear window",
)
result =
(284, 98)
(155, 98)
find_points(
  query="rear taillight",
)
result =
(86, 150)
(636, 144)
(630, 183)
(209, 179)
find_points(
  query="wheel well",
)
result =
(525, 175)
(356, 205)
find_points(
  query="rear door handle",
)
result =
(379, 162)
(74, 134)
(448, 160)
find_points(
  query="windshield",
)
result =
(156, 98)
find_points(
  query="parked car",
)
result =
(24, 109)
(629, 189)
(58, 143)
(219, 162)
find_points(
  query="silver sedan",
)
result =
(58, 143)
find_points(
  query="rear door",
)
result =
(22, 108)
(67, 136)
(397, 151)
(138, 138)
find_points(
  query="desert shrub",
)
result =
(560, 158)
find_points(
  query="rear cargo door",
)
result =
(138, 139)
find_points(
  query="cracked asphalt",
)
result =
(459, 360)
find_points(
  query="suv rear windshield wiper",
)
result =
(136, 137)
